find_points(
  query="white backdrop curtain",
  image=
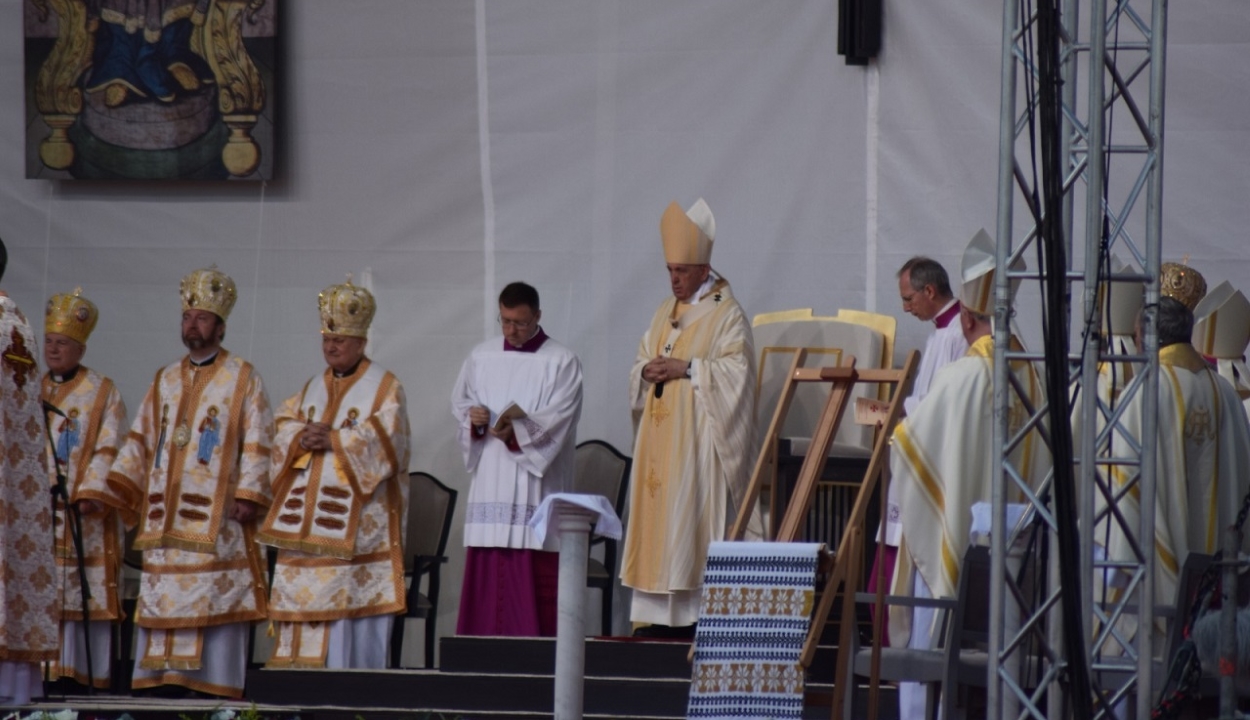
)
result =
(454, 146)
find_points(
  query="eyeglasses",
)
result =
(514, 324)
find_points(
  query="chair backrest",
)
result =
(828, 340)
(601, 469)
(431, 505)
(884, 325)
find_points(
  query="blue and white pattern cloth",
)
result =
(757, 606)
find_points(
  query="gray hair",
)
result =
(923, 271)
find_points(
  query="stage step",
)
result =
(513, 677)
(462, 693)
(531, 656)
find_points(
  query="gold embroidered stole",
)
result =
(194, 473)
(318, 501)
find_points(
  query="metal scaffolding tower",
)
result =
(1110, 169)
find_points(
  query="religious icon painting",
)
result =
(210, 436)
(154, 90)
(353, 416)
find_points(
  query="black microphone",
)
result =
(659, 389)
(49, 407)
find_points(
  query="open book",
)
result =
(512, 412)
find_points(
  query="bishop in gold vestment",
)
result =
(340, 501)
(202, 582)
(86, 434)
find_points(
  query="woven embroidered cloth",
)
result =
(757, 606)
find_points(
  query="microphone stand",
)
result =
(60, 492)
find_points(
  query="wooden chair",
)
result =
(431, 506)
(828, 342)
(602, 470)
(960, 659)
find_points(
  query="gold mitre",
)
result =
(1182, 283)
(346, 309)
(1222, 323)
(977, 274)
(72, 315)
(688, 236)
(1124, 298)
(208, 289)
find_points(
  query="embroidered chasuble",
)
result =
(692, 453)
(29, 591)
(1203, 458)
(338, 515)
(201, 441)
(942, 461)
(86, 443)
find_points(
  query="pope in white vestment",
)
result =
(516, 402)
(340, 501)
(87, 428)
(692, 392)
(202, 584)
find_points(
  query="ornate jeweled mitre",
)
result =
(346, 309)
(71, 315)
(208, 289)
(1182, 283)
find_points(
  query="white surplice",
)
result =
(508, 486)
(945, 345)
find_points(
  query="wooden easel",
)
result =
(845, 573)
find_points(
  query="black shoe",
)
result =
(64, 686)
(684, 631)
(166, 692)
(666, 632)
(649, 631)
